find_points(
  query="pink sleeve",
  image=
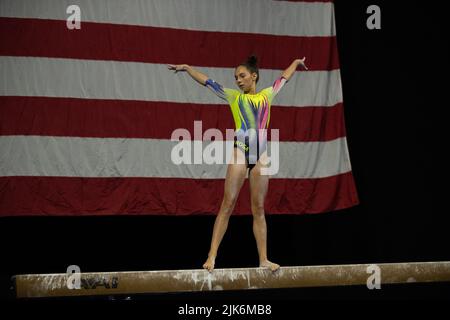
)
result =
(277, 85)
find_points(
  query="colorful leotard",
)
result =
(250, 111)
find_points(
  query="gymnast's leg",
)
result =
(236, 173)
(258, 190)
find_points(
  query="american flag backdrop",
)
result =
(86, 115)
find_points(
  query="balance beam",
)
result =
(134, 282)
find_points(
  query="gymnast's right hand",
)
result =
(177, 67)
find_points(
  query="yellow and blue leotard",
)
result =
(251, 112)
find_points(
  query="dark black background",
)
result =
(391, 80)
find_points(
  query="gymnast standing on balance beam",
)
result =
(251, 110)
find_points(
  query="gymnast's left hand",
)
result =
(301, 62)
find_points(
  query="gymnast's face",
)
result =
(244, 79)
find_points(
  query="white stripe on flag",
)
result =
(248, 16)
(94, 157)
(94, 79)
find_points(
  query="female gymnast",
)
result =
(251, 110)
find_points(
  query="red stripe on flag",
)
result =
(116, 196)
(73, 117)
(101, 41)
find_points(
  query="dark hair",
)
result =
(252, 65)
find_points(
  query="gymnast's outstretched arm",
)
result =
(287, 74)
(195, 74)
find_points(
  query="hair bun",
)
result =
(252, 60)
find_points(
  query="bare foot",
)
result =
(209, 264)
(270, 265)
